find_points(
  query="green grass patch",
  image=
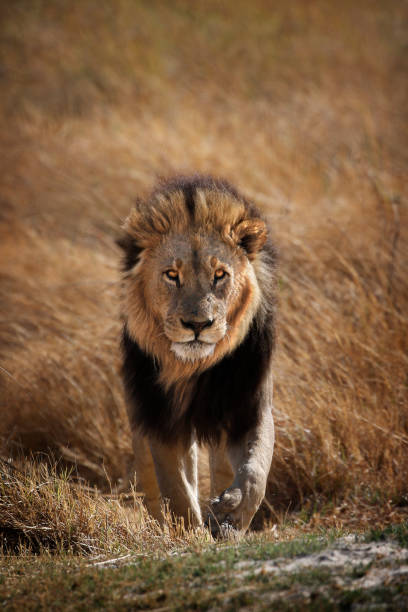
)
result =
(398, 533)
(195, 578)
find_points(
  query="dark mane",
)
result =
(225, 397)
(188, 185)
(193, 182)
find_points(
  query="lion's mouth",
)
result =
(192, 350)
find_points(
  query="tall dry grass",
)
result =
(303, 107)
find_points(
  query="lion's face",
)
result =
(191, 288)
(196, 281)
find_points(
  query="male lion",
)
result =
(197, 344)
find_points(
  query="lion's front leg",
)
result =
(177, 475)
(251, 461)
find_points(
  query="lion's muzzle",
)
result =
(195, 339)
(197, 326)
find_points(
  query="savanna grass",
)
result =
(303, 108)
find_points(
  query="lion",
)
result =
(198, 338)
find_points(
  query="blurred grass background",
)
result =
(302, 105)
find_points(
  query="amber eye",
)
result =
(219, 274)
(172, 275)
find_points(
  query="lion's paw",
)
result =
(224, 518)
(222, 531)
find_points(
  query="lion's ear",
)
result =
(126, 242)
(131, 238)
(251, 235)
(131, 250)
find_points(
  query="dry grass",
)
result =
(43, 511)
(304, 108)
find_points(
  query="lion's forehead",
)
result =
(195, 251)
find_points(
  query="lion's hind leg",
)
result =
(146, 481)
(221, 475)
(221, 472)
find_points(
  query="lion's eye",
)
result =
(219, 274)
(172, 275)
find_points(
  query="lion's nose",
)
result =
(197, 326)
